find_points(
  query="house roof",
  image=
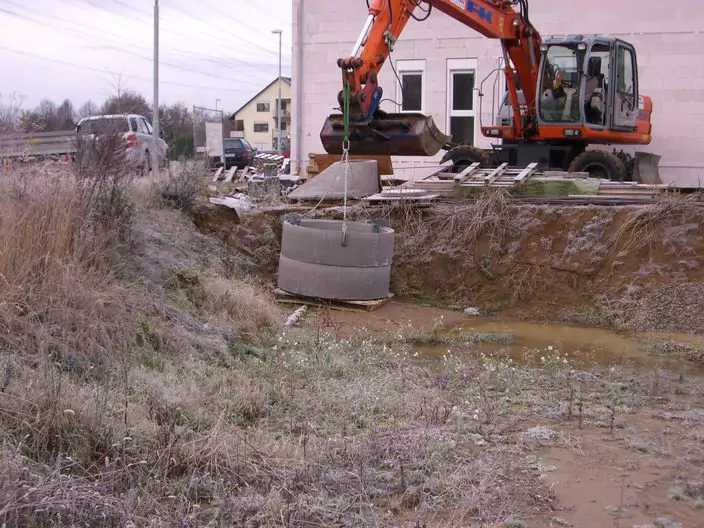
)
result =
(287, 80)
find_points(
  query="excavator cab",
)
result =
(591, 82)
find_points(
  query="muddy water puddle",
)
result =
(584, 347)
(435, 331)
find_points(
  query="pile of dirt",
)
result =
(625, 267)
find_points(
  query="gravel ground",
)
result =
(672, 307)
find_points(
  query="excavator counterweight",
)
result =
(406, 134)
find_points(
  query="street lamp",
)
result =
(278, 110)
(155, 102)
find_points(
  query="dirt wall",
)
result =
(631, 267)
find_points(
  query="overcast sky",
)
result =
(81, 49)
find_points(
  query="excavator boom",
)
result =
(372, 131)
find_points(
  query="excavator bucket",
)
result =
(411, 134)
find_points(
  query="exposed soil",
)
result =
(646, 468)
(630, 267)
(606, 425)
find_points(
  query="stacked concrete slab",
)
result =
(362, 181)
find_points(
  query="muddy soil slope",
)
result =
(630, 267)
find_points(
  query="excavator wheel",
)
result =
(599, 164)
(464, 155)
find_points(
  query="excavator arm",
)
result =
(372, 131)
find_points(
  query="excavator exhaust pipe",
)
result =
(411, 134)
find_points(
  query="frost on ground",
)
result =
(146, 380)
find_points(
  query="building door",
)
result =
(461, 108)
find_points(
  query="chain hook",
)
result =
(346, 159)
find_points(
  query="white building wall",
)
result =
(668, 36)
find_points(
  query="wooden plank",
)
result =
(230, 174)
(493, 175)
(525, 174)
(445, 176)
(467, 173)
(354, 306)
(217, 174)
(323, 161)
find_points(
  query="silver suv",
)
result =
(137, 135)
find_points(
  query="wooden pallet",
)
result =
(436, 185)
(317, 163)
(342, 305)
(501, 176)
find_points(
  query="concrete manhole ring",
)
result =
(315, 263)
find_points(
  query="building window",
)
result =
(262, 107)
(461, 114)
(411, 91)
(239, 125)
(283, 125)
(261, 127)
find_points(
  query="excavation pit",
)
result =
(317, 261)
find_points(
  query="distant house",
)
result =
(257, 120)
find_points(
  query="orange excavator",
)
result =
(564, 93)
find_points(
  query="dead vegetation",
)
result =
(644, 227)
(450, 230)
(94, 356)
(145, 378)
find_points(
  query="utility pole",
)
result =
(278, 110)
(155, 158)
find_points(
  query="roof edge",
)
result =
(287, 80)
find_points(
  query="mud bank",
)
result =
(628, 268)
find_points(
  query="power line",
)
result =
(214, 43)
(99, 70)
(120, 39)
(254, 45)
(235, 21)
(134, 54)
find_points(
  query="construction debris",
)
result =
(528, 181)
(261, 161)
(239, 202)
(296, 316)
(362, 181)
(402, 194)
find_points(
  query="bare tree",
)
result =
(10, 112)
(127, 101)
(88, 109)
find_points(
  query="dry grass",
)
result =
(125, 402)
(451, 230)
(93, 390)
(172, 398)
(643, 227)
(181, 187)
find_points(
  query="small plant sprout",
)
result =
(615, 398)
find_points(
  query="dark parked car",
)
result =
(238, 152)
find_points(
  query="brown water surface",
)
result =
(584, 346)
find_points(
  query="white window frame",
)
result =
(407, 66)
(268, 127)
(463, 66)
